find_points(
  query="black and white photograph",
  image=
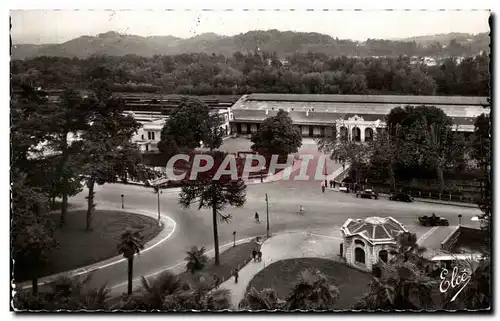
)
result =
(237, 160)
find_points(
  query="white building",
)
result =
(149, 135)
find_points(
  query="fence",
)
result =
(450, 197)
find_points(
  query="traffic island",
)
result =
(282, 277)
(78, 247)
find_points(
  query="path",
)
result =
(282, 247)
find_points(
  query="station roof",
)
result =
(325, 109)
(377, 99)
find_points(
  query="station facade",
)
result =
(353, 117)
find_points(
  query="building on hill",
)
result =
(357, 117)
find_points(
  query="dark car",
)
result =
(433, 220)
(368, 193)
(401, 197)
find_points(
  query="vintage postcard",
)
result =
(243, 160)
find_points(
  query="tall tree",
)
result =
(70, 117)
(131, 243)
(444, 146)
(215, 193)
(481, 152)
(277, 136)
(108, 154)
(32, 234)
(188, 125)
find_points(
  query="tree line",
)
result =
(300, 73)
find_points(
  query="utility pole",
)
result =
(157, 191)
(267, 211)
(326, 174)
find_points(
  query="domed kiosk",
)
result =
(367, 241)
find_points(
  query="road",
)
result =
(325, 213)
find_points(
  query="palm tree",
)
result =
(195, 259)
(131, 243)
(66, 293)
(202, 297)
(313, 291)
(399, 285)
(407, 249)
(266, 299)
(152, 294)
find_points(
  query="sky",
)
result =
(52, 26)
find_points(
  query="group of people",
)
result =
(257, 256)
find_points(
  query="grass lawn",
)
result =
(282, 277)
(230, 259)
(78, 248)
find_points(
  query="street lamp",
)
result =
(267, 212)
(459, 219)
(158, 192)
(123, 206)
(326, 174)
(234, 238)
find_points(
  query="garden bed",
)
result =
(78, 248)
(282, 276)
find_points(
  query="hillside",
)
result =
(284, 43)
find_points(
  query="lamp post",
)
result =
(459, 219)
(158, 192)
(267, 212)
(326, 174)
(234, 238)
(123, 206)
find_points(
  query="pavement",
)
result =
(319, 243)
(281, 247)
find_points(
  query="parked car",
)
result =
(367, 193)
(402, 197)
(343, 189)
(433, 220)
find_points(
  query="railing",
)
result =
(450, 197)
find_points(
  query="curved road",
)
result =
(325, 213)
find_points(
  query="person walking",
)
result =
(323, 188)
(260, 256)
(216, 281)
(235, 274)
(301, 210)
(333, 184)
(254, 255)
(257, 217)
